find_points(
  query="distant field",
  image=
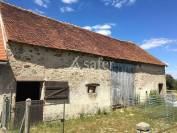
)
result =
(119, 121)
(174, 91)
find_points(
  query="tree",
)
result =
(171, 82)
(175, 85)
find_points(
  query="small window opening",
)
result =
(91, 88)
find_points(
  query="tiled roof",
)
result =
(3, 56)
(29, 28)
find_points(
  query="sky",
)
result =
(151, 24)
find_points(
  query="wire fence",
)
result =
(157, 106)
(153, 107)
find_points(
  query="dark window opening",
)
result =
(26, 90)
(56, 90)
(160, 88)
(92, 88)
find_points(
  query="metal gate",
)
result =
(122, 83)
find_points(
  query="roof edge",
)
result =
(3, 62)
(163, 64)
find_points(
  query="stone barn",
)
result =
(56, 62)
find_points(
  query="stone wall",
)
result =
(147, 78)
(35, 63)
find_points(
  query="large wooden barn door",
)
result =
(122, 83)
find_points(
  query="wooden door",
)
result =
(122, 83)
(36, 112)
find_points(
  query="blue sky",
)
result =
(152, 24)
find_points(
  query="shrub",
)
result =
(154, 97)
(82, 115)
(98, 112)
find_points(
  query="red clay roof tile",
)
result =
(26, 27)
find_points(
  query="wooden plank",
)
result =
(36, 113)
(122, 83)
(60, 84)
(57, 90)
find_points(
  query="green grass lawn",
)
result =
(119, 121)
(157, 113)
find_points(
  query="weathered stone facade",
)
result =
(33, 63)
(147, 78)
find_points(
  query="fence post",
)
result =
(27, 117)
(63, 120)
(5, 112)
(10, 106)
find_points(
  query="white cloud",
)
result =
(38, 11)
(69, 1)
(157, 42)
(119, 3)
(104, 32)
(174, 50)
(66, 9)
(166, 63)
(173, 73)
(42, 3)
(131, 2)
(104, 29)
(87, 27)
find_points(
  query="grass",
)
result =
(158, 115)
(119, 121)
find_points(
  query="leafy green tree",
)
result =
(175, 85)
(171, 82)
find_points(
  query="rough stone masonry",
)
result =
(32, 63)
